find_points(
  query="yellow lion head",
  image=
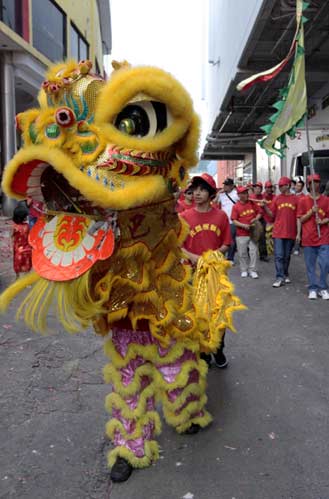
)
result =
(112, 145)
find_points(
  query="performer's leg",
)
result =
(183, 383)
(134, 420)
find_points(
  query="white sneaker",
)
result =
(296, 252)
(312, 295)
(287, 280)
(244, 274)
(253, 274)
(277, 283)
(324, 294)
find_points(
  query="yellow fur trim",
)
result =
(196, 389)
(151, 450)
(137, 191)
(186, 414)
(148, 352)
(115, 400)
(150, 417)
(111, 375)
(202, 421)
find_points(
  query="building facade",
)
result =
(35, 33)
(246, 38)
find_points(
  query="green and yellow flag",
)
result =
(292, 107)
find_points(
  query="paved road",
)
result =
(269, 438)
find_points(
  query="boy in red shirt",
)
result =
(186, 201)
(283, 210)
(244, 213)
(209, 230)
(316, 247)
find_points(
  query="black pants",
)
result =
(262, 241)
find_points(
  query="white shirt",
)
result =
(226, 203)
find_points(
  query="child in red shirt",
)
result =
(315, 243)
(22, 251)
(209, 230)
(244, 213)
(283, 210)
(186, 201)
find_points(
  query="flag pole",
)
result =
(311, 165)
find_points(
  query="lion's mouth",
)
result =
(41, 182)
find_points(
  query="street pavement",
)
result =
(268, 440)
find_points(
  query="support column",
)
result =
(8, 113)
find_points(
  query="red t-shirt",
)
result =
(182, 205)
(244, 213)
(208, 231)
(284, 209)
(257, 198)
(309, 228)
(269, 198)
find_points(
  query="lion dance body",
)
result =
(105, 158)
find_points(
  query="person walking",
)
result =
(313, 213)
(257, 197)
(283, 211)
(209, 230)
(299, 193)
(244, 214)
(227, 200)
(22, 251)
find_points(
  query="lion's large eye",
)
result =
(142, 119)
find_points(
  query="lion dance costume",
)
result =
(105, 158)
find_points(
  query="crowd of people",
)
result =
(253, 222)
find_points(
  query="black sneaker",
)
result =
(121, 470)
(193, 429)
(220, 360)
(207, 357)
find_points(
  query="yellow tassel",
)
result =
(12, 291)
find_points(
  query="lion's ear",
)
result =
(187, 147)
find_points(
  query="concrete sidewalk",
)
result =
(268, 439)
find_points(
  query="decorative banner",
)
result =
(69, 245)
(291, 109)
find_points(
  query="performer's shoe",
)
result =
(264, 259)
(220, 360)
(121, 470)
(193, 429)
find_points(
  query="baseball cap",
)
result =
(316, 178)
(206, 178)
(268, 183)
(242, 188)
(284, 181)
(258, 184)
(228, 181)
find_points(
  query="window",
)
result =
(49, 29)
(79, 46)
(11, 14)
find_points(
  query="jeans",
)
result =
(232, 249)
(312, 256)
(282, 252)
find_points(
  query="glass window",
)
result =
(11, 14)
(79, 46)
(74, 43)
(49, 33)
